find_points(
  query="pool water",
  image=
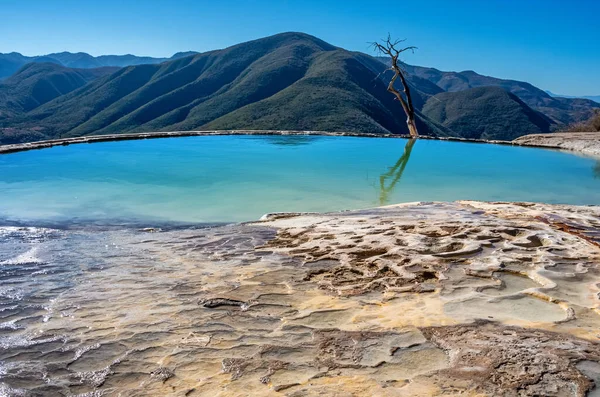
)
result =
(240, 178)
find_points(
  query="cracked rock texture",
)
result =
(420, 299)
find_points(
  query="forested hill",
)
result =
(11, 62)
(287, 81)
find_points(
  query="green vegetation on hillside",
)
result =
(12, 62)
(287, 81)
(590, 125)
(485, 112)
(561, 111)
(38, 83)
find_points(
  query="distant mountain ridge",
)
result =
(562, 111)
(11, 62)
(287, 81)
(595, 98)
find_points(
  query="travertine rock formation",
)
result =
(419, 299)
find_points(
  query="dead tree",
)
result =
(390, 48)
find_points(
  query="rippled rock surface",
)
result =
(463, 298)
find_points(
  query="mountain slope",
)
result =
(11, 62)
(485, 112)
(38, 83)
(338, 93)
(286, 81)
(562, 111)
(290, 80)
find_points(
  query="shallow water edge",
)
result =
(236, 178)
(5, 149)
(475, 298)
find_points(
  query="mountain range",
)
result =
(288, 81)
(560, 111)
(595, 98)
(12, 62)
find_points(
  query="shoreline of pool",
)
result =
(21, 147)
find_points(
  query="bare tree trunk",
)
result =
(412, 127)
(389, 48)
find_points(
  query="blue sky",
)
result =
(553, 44)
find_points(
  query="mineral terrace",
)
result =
(421, 299)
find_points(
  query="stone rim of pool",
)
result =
(19, 147)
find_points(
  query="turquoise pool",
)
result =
(239, 178)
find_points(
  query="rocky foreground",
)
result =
(583, 142)
(420, 299)
(494, 298)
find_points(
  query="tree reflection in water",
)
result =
(389, 180)
(597, 170)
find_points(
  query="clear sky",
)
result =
(553, 44)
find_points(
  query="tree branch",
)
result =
(390, 48)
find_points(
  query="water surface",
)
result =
(240, 178)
